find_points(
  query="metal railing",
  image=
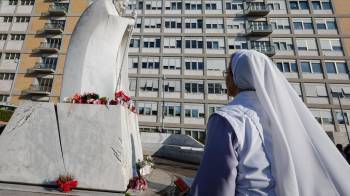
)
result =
(44, 66)
(268, 49)
(58, 8)
(259, 27)
(53, 26)
(46, 45)
(39, 89)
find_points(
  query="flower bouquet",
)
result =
(120, 98)
(138, 183)
(66, 183)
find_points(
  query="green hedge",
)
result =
(5, 115)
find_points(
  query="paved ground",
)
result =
(160, 183)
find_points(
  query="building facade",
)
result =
(180, 49)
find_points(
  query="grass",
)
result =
(5, 115)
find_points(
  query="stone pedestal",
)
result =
(97, 144)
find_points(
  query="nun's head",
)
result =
(240, 70)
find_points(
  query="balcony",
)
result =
(38, 90)
(57, 10)
(259, 29)
(42, 68)
(53, 28)
(268, 50)
(256, 9)
(48, 47)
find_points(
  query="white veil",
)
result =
(304, 160)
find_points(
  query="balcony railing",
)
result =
(49, 47)
(259, 29)
(57, 10)
(256, 9)
(38, 90)
(268, 50)
(53, 28)
(43, 68)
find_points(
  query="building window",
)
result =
(22, 19)
(12, 56)
(7, 19)
(133, 62)
(193, 5)
(172, 63)
(13, 2)
(322, 5)
(311, 66)
(213, 109)
(172, 86)
(43, 84)
(315, 90)
(193, 87)
(171, 131)
(150, 85)
(135, 43)
(151, 42)
(4, 98)
(331, 45)
(342, 117)
(237, 43)
(199, 135)
(194, 43)
(287, 66)
(27, 2)
(193, 23)
(234, 5)
(3, 37)
(172, 42)
(307, 44)
(214, 23)
(336, 67)
(17, 37)
(49, 62)
(193, 113)
(215, 43)
(147, 108)
(153, 5)
(172, 109)
(173, 23)
(326, 24)
(152, 23)
(7, 76)
(283, 45)
(233, 23)
(217, 88)
(194, 63)
(212, 5)
(324, 117)
(280, 23)
(302, 24)
(150, 62)
(173, 5)
(299, 5)
(216, 64)
(132, 84)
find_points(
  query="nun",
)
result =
(266, 141)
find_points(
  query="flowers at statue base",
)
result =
(139, 182)
(66, 183)
(120, 98)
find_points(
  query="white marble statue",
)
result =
(97, 56)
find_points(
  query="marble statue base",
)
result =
(97, 144)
